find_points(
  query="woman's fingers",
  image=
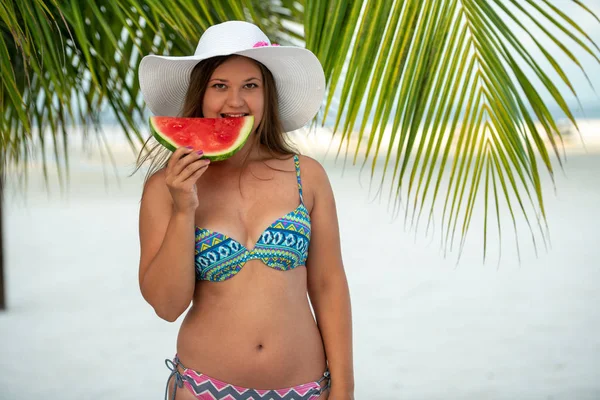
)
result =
(191, 169)
(176, 157)
(184, 161)
(183, 165)
(196, 175)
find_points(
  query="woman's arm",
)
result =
(327, 284)
(167, 235)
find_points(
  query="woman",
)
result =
(221, 235)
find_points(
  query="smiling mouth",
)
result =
(238, 115)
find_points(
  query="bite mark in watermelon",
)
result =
(218, 138)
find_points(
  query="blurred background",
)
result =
(433, 317)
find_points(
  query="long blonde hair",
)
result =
(270, 132)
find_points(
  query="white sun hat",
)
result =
(298, 74)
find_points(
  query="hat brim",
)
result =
(298, 75)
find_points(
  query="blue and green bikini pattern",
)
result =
(282, 246)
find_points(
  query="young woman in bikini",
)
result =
(247, 241)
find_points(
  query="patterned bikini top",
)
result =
(283, 245)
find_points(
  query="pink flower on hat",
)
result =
(264, 44)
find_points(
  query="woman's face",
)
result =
(235, 89)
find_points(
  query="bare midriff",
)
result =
(254, 330)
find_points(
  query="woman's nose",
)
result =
(234, 98)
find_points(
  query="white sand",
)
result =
(77, 327)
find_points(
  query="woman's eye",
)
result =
(219, 86)
(251, 86)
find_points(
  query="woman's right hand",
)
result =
(183, 170)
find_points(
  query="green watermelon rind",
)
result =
(245, 132)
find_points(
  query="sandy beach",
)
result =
(424, 327)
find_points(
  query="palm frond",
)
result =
(67, 63)
(446, 97)
(440, 98)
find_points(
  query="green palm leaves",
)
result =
(441, 94)
(461, 92)
(63, 62)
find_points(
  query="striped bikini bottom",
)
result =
(206, 388)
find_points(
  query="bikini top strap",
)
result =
(297, 164)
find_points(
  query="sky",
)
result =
(586, 94)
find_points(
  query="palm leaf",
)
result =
(439, 97)
(69, 62)
(461, 93)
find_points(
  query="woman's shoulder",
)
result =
(314, 180)
(156, 178)
(156, 185)
(312, 169)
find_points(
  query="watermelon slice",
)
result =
(218, 138)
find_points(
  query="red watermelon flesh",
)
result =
(218, 138)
